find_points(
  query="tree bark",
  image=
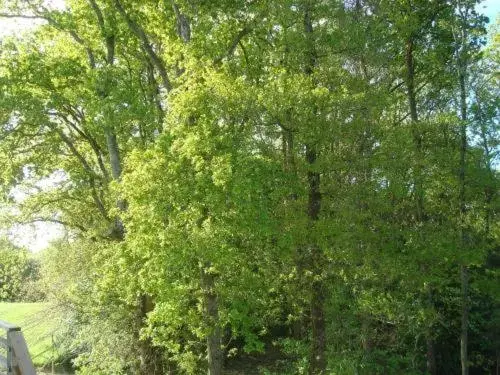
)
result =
(288, 150)
(318, 346)
(211, 316)
(183, 26)
(431, 357)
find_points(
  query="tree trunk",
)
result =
(211, 317)
(318, 345)
(318, 358)
(317, 365)
(114, 154)
(464, 329)
(429, 340)
(418, 183)
(151, 357)
(417, 137)
(464, 279)
(431, 356)
(118, 230)
(298, 325)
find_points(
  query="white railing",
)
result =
(18, 360)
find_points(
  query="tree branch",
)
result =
(7, 15)
(90, 171)
(56, 221)
(232, 47)
(183, 27)
(139, 32)
(108, 37)
(92, 142)
(56, 25)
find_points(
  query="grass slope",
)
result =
(38, 322)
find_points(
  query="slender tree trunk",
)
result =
(318, 360)
(298, 325)
(429, 341)
(417, 137)
(317, 365)
(366, 332)
(318, 357)
(183, 26)
(290, 152)
(464, 278)
(418, 183)
(211, 315)
(114, 154)
(464, 329)
(318, 345)
(289, 165)
(118, 230)
(215, 353)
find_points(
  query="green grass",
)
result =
(37, 321)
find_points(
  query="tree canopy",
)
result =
(311, 182)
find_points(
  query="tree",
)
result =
(315, 168)
(18, 274)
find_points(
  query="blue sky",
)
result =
(490, 8)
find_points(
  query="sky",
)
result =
(491, 8)
(38, 236)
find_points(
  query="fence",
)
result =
(18, 360)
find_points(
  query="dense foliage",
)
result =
(311, 182)
(19, 274)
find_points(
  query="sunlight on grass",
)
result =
(38, 322)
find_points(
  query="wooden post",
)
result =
(24, 364)
(18, 360)
(10, 359)
(7, 362)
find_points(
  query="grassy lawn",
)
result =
(37, 322)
